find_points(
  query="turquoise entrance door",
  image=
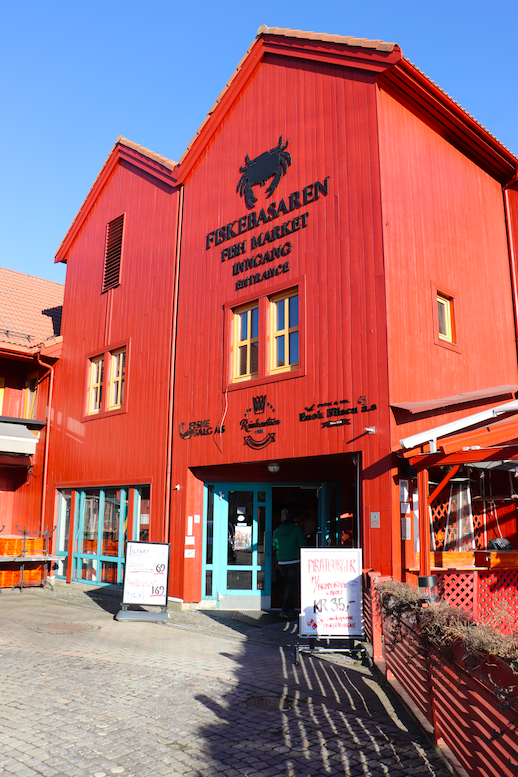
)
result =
(237, 547)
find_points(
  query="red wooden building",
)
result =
(30, 344)
(328, 270)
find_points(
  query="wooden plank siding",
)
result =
(20, 487)
(127, 448)
(444, 227)
(328, 114)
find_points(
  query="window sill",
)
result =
(445, 344)
(104, 414)
(261, 381)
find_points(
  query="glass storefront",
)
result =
(100, 520)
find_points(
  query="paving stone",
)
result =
(144, 700)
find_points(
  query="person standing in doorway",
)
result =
(288, 539)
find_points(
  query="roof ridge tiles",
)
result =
(163, 160)
(347, 40)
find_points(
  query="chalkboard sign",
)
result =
(331, 592)
(146, 573)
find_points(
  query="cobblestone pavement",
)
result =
(83, 695)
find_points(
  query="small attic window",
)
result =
(112, 260)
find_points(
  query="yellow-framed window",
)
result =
(445, 318)
(284, 329)
(246, 339)
(95, 397)
(118, 374)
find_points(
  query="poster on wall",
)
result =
(331, 592)
(146, 573)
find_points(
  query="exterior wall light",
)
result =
(428, 589)
(273, 467)
(369, 429)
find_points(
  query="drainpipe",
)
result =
(167, 504)
(47, 435)
(512, 254)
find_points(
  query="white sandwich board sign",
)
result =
(146, 573)
(331, 593)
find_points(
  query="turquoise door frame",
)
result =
(89, 563)
(237, 545)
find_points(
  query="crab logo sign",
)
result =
(272, 164)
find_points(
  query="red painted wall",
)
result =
(128, 447)
(443, 227)
(328, 114)
(21, 489)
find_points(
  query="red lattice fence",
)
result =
(498, 599)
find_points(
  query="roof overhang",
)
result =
(458, 399)
(132, 154)
(430, 436)
(17, 438)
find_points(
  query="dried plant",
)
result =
(441, 627)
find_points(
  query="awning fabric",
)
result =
(15, 438)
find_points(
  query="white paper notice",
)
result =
(331, 592)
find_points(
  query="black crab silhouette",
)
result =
(274, 162)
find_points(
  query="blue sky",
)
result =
(75, 75)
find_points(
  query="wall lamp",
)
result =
(273, 467)
(369, 429)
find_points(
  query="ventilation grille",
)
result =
(112, 262)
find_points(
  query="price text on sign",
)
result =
(331, 592)
(146, 573)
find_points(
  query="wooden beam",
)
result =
(435, 493)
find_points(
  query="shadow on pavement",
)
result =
(324, 716)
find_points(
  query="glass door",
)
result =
(237, 547)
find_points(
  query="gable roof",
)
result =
(345, 40)
(155, 164)
(30, 309)
(394, 71)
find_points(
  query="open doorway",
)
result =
(302, 502)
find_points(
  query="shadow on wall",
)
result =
(55, 316)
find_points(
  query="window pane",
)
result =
(209, 532)
(239, 580)
(261, 536)
(88, 569)
(91, 523)
(294, 348)
(294, 310)
(242, 360)
(254, 358)
(240, 521)
(443, 318)
(108, 572)
(279, 315)
(64, 520)
(112, 509)
(142, 496)
(208, 582)
(243, 326)
(279, 351)
(255, 322)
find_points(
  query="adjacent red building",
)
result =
(327, 272)
(30, 345)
